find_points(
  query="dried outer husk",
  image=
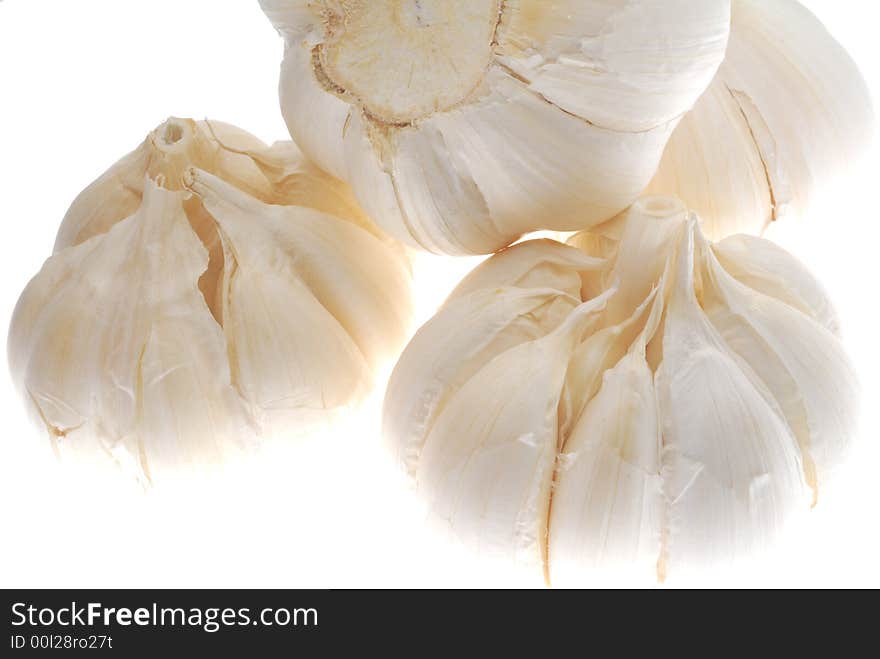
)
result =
(463, 124)
(691, 409)
(787, 113)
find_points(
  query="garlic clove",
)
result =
(786, 349)
(598, 353)
(366, 151)
(296, 181)
(356, 277)
(607, 505)
(114, 196)
(624, 66)
(444, 207)
(786, 113)
(515, 157)
(465, 335)
(716, 137)
(607, 502)
(768, 269)
(418, 105)
(534, 264)
(277, 366)
(145, 370)
(486, 470)
(318, 122)
(732, 470)
(288, 378)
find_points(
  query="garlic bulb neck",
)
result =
(173, 134)
(172, 147)
(651, 227)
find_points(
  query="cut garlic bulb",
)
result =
(787, 111)
(672, 423)
(129, 344)
(464, 124)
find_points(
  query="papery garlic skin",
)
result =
(208, 321)
(787, 113)
(703, 401)
(461, 125)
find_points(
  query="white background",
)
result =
(81, 83)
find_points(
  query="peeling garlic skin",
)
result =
(671, 424)
(208, 321)
(463, 125)
(787, 113)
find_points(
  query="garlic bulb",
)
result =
(207, 319)
(461, 125)
(787, 111)
(672, 422)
